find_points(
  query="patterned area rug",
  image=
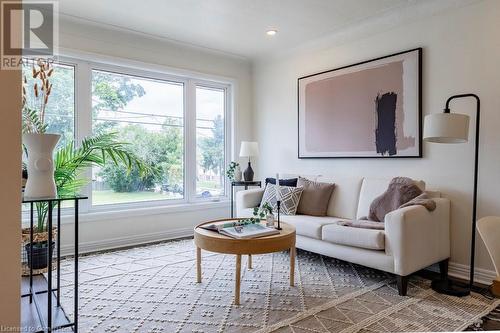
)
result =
(490, 322)
(153, 289)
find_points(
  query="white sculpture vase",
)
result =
(237, 174)
(40, 149)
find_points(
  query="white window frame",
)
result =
(227, 134)
(84, 64)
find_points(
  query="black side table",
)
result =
(246, 185)
(55, 318)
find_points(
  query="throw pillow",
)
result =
(315, 197)
(290, 197)
(283, 182)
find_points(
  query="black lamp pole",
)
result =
(444, 286)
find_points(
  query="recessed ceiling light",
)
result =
(271, 32)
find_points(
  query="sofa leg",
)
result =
(443, 269)
(402, 285)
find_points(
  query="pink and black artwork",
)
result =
(370, 109)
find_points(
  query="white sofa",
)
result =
(413, 239)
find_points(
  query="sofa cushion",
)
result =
(309, 226)
(315, 197)
(372, 188)
(344, 199)
(358, 237)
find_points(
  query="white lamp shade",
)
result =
(446, 128)
(249, 149)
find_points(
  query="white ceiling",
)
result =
(233, 26)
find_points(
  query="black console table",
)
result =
(51, 321)
(246, 185)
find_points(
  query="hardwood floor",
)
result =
(489, 324)
(29, 316)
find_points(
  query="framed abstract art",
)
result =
(370, 109)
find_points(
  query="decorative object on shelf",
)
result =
(249, 149)
(38, 145)
(369, 109)
(40, 149)
(489, 229)
(232, 169)
(238, 175)
(450, 127)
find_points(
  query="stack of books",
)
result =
(245, 229)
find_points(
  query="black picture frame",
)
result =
(419, 51)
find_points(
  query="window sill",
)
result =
(127, 212)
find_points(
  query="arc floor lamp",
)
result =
(450, 127)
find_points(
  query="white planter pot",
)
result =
(237, 174)
(40, 149)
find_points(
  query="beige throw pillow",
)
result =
(315, 197)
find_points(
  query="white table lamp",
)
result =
(249, 149)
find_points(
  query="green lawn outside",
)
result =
(208, 185)
(110, 197)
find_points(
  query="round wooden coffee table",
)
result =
(214, 242)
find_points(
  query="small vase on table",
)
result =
(237, 174)
(40, 148)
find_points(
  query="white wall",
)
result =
(461, 54)
(10, 198)
(78, 37)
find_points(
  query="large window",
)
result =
(177, 125)
(149, 115)
(210, 141)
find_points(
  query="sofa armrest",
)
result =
(417, 238)
(248, 199)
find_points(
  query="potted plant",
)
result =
(266, 211)
(234, 172)
(38, 144)
(68, 165)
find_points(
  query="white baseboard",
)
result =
(462, 271)
(114, 243)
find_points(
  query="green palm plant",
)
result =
(70, 163)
